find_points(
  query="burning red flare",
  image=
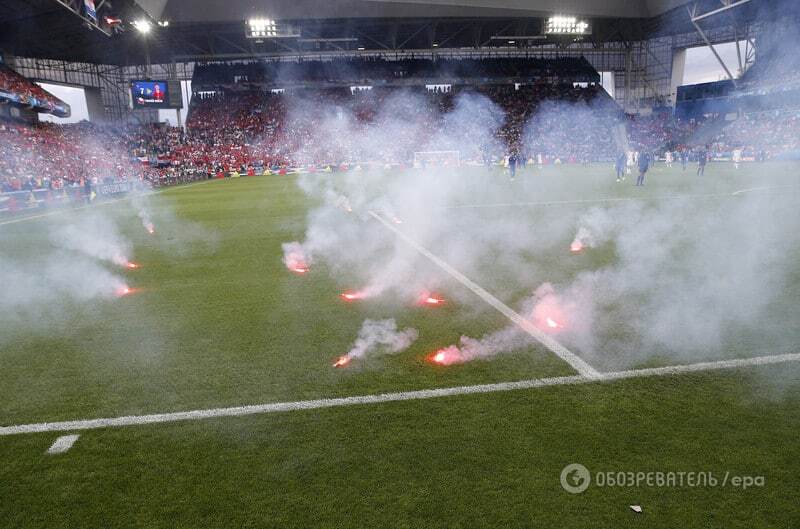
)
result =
(132, 266)
(351, 296)
(397, 220)
(150, 228)
(553, 324)
(447, 356)
(426, 298)
(576, 246)
(299, 269)
(341, 361)
(123, 291)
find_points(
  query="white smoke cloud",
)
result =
(295, 257)
(30, 291)
(93, 235)
(378, 337)
(677, 278)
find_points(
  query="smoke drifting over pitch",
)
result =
(378, 337)
(682, 278)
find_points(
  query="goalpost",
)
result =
(437, 158)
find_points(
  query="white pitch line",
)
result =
(60, 211)
(543, 338)
(279, 407)
(62, 444)
(762, 188)
(99, 204)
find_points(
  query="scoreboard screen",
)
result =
(156, 94)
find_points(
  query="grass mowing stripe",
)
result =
(238, 411)
(577, 363)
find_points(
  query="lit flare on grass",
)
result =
(124, 290)
(429, 299)
(151, 229)
(342, 361)
(447, 356)
(576, 246)
(350, 295)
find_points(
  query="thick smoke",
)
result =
(378, 337)
(295, 258)
(140, 200)
(60, 276)
(95, 236)
(687, 280)
(676, 278)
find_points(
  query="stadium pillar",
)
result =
(678, 69)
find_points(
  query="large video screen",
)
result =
(155, 94)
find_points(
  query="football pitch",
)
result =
(207, 396)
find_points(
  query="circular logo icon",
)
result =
(575, 478)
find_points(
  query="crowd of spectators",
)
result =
(25, 91)
(239, 129)
(55, 157)
(762, 134)
(338, 125)
(660, 131)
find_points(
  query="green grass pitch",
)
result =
(217, 321)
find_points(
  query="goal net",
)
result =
(436, 158)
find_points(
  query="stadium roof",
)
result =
(214, 29)
(213, 10)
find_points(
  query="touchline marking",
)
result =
(99, 204)
(60, 211)
(62, 444)
(577, 363)
(279, 407)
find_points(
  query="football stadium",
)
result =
(399, 264)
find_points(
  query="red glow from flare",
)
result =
(447, 356)
(341, 361)
(351, 296)
(576, 246)
(549, 314)
(299, 268)
(426, 298)
(150, 228)
(123, 291)
(397, 220)
(132, 266)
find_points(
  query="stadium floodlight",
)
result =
(566, 25)
(142, 26)
(258, 28)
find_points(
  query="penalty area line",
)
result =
(577, 363)
(279, 407)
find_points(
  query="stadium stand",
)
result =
(236, 123)
(18, 90)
